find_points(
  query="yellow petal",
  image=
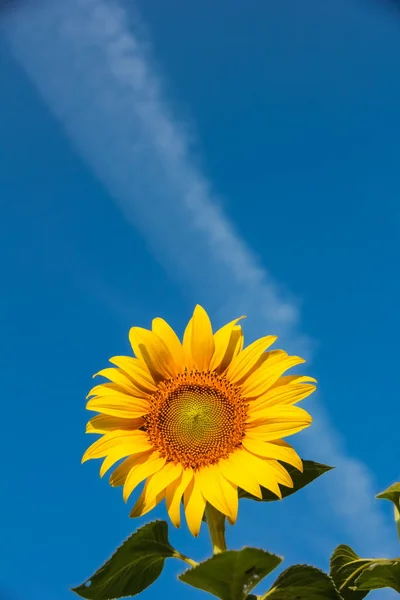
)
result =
(280, 472)
(195, 505)
(138, 372)
(171, 340)
(118, 477)
(261, 360)
(225, 340)
(116, 455)
(150, 348)
(243, 362)
(230, 492)
(130, 442)
(121, 380)
(146, 502)
(264, 377)
(161, 480)
(110, 460)
(187, 345)
(209, 480)
(278, 422)
(105, 389)
(155, 486)
(199, 339)
(280, 413)
(263, 472)
(141, 471)
(278, 450)
(234, 470)
(173, 496)
(105, 423)
(276, 430)
(294, 379)
(282, 395)
(119, 405)
(235, 347)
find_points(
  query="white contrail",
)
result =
(91, 67)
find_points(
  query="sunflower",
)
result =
(198, 419)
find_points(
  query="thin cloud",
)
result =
(94, 71)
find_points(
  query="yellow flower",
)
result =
(197, 419)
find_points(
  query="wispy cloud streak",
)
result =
(90, 64)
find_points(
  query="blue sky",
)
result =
(244, 157)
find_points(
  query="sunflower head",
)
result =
(197, 419)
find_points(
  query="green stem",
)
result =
(216, 527)
(185, 558)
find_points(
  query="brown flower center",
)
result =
(196, 419)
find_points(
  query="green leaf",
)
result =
(392, 493)
(302, 582)
(232, 575)
(346, 566)
(133, 567)
(380, 575)
(355, 577)
(311, 471)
